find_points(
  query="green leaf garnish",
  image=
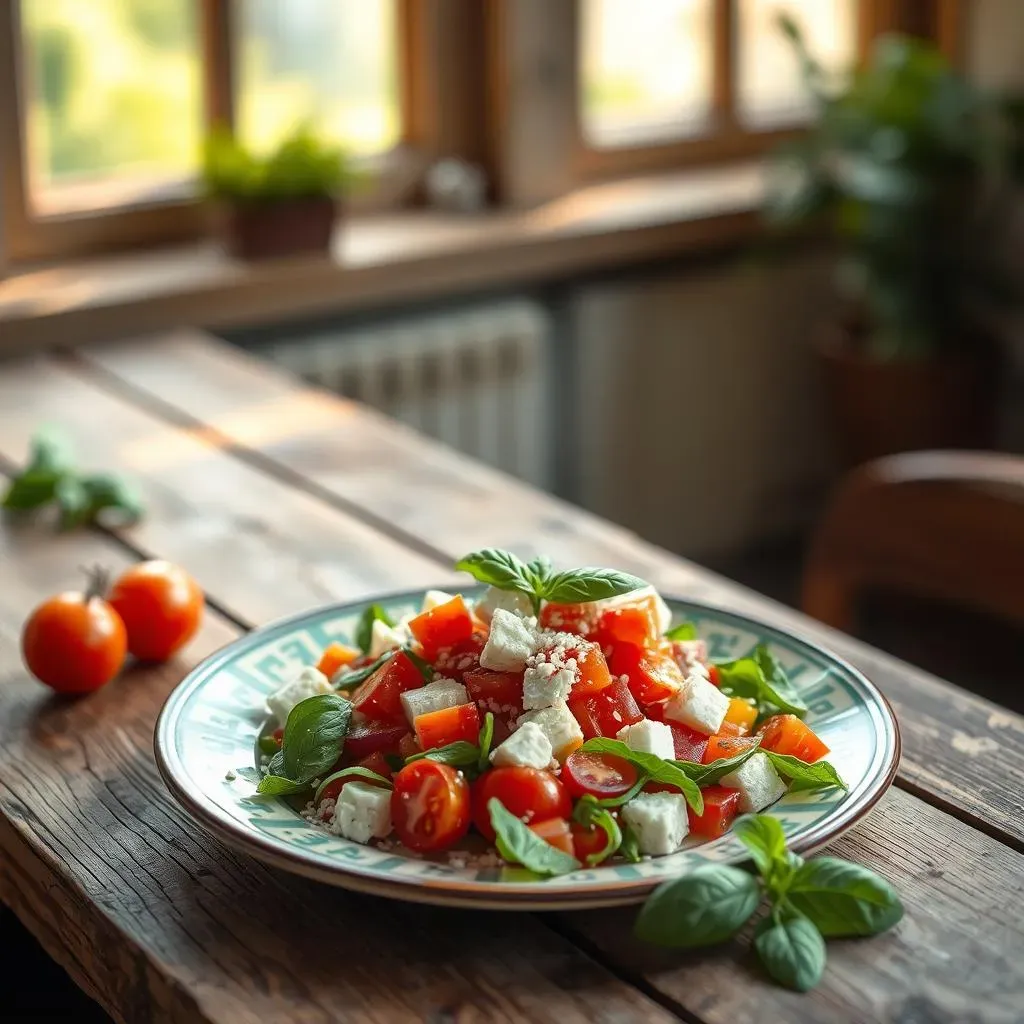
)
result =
(589, 813)
(762, 835)
(364, 630)
(355, 770)
(313, 736)
(629, 848)
(424, 666)
(791, 949)
(518, 844)
(278, 785)
(804, 777)
(350, 680)
(588, 584)
(712, 772)
(843, 899)
(485, 740)
(460, 754)
(655, 768)
(498, 568)
(761, 679)
(684, 631)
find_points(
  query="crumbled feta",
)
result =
(527, 747)
(659, 821)
(544, 686)
(434, 599)
(649, 737)
(758, 782)
(441, 693)
(385, 638)
(691, 656)
(308, 683)
(506, 600)
(363, 812)
(510, 642)
(559, 725)
(698, 704)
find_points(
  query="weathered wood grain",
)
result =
(960, 751)
(159, 922)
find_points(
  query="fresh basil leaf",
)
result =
(791, 949)
(485, 740)
(539, 571)
(49, 452)
(355, 770)
(343, 680)
(802, 776)
(588, 584)
(762, 835)
(618, 801)
(275, 766)
(844, 899)
(499, 568)
(629, 848)
(657, 769)
(746, 678)
(460, 754)
(424, 666)
(314, 735)
(778, 681)
(253, 775)
(520, 845)
(710, 773)
(706, 906)
(107, 491)
(278, 785)
(603, 820)
(73, 501)
(32, 489)
(684, 631)
(364, 630)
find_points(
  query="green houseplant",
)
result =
(284, 201)
(908, 165)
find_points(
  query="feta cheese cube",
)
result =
(507, 600)
(510, 642)
(649, 737)
(441, 693)
(559, 725)
(659, 821)
(699, 704)
(362, 813)
(434, 598)
(544, 686)
(308, 683)
(758, 782)
(385, 638)
(691, 656)
(527, 747)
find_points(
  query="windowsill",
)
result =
(382, 259)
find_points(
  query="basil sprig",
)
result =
(809, 900)
(539, 582)
(761, 679)
(655, 768)
(803, 776)
(519, 844)
(684, 631)
(485, 740)
(364, 630)
(460, 754)
(590, 813)
(629, 848)
(354, 771)
(710, 773)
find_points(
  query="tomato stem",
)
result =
(98, 582)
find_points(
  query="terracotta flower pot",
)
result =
(255, 231)
(883, 407)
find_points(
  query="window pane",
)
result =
(769, 90)
(112, 100)
(329, 63)
(646, 70)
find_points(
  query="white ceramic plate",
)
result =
(210, 723)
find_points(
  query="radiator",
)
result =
(476, 379)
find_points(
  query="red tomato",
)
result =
(447, 624)
(605, 713)
(587, 840)
(594, 674)
(653, 675)
(569, 618)
(455, 661)
(529, 793)
(448, 725)
(721, 805)
(636, 625)
(726, 746)
(601, 775)
(689, 744)
(430, 805)
(74, 642)
(786, 734)
(501, 693)
(336, 656)
(555, 832)
(161, 606)
(366, 738)
(380, 696)
(713, 675)
(407, 746)
(375, 763)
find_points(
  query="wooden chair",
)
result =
(946, 525)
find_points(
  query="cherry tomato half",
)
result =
(601, 775)
(430, 805)
(588, 840)
(529, 793)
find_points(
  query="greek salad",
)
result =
(560, 720)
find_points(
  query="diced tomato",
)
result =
(407, 746)
(690, 744)
(730, 729)
(605, 713)
(430, 805)
(600, 775)
(726, 746)
(636, 625)
(590, 618)
(714, 676)
(365, 738)
(593, 669)
(786, 734)
(569, 618)
(447, 624)
(376, 763)
(720, 807)
(449, 725)
(335, 656)
(498, 692)
(741, 714)
(588, 840)
(380, 696)
(556, 832)
(455, 661)
(529, 793)
(653, 676)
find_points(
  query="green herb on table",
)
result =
(808, 902)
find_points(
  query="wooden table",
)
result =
(279, 498)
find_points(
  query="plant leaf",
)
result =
(802, 776)
(355, 770)
(499, 568)
(706, 906)
(108, 491)
(460, 754)
(253, 775)
(520, 845)
(73, 501)
(710, 773)
(49, 453)
(588, 584)
(539, 571)
(485, 740)
(364, 631)
(791, 949)
(683, 631)
(314, 736)
(844, 899)
(762, 835)
(425, 668)
(657, 769)
(629, 848)
(350, 680)
(746, 677)
(32, 489)
(278, 785)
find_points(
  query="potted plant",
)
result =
(283, 202)
(908, 166)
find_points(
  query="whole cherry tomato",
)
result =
(529, 793)
(75, 642)
(161, 606)
(430, 805)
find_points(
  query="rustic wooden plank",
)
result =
(956, 956)
(960, 751)
(158, 921)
